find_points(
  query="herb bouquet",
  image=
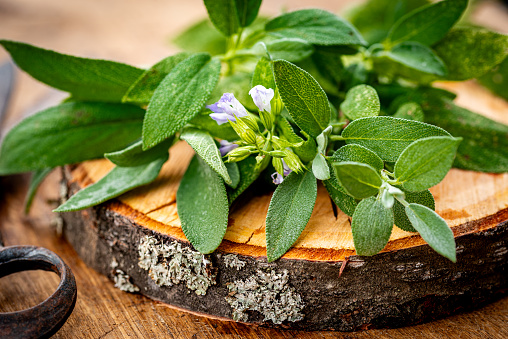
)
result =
(298, 98)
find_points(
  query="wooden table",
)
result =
(130, 32)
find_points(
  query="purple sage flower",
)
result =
(262, 97)
(277, 177)
(227, 108)
(226, 147)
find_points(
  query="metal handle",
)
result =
(45, 319)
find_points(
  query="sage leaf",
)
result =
(248, 174)
(315, 26)
(427, 24)
(425, 162)
(361, 101)
(204, 145)
(290, 49)
(224, 15)
(119, 180)
(433, 230)
(479, 50)
(141, 91)
(133, 155)
(308, 149)
(410, 111)
(497, 79)
(388, 136)
(289, 211)
(69, 133)
(320, 167)
(263, 74)
(371, 225)
(359, 180)
(202, 37)
(417, 56)
(304, 99)
(202, 205)
(357, 153)
(344, 201)
(35, 181)
(234, 174)
(401, 220)
(86, 79)
(247, 11)
(179, 97)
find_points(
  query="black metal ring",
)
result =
(45, 319)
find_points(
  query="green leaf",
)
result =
(433, 230)
(425, 162)
(247, 11)
(361, 101)
(372, 226)
(85, 79)
(290, 49)
(234, 174)
(358, 153)
(388, 136)
(307, 151)
(427, 24)
(344, 201)
(204, 145)
(479, 50)
(304, 99)
(179, 97)
(202, 205)
(316, 26)
(35, 181)
(320, 167)
(202, 37)
(417, 56)
(67, 134)
(224, 131)
(410, 111)
(497, 79)
(134, 155)
(359, 180)
(289, 211)
(263, 74)
(141, 91)
(401, 220)
(224, 15)
(119, 180)
(248, 174)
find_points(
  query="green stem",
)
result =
(336, 137)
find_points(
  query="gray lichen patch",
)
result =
(122, 280)
(232, 260)
(268, 293)
(170, 264)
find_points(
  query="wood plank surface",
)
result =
(134, 32)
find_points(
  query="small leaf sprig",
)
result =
(305, 96)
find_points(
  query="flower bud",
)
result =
(293, 161)
(243, 131)
(250, 122)
(239, 153)
(277, 154)
(277, 164)
(276, 103)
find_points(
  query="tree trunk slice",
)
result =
(407, 283)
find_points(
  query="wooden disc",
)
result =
(320, 283)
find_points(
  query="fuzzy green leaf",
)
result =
(401, 220)
(344, 201)
(234, 174)
(425, 162)
(263, 74)
(202, 37)
(289, 211)
(224, 15)
(85, 79)
(202, 205)
(433, 230)
(304, 99)
(316, 26)
(359, 180)
(35, 181)
(67, 134)
(388, 136)
(417, 56)
(133, 155)
(358, 153)
(471, 52)
(248, 174)
(141, 91)
(247, 11)
(204, 145)
(371, 226)
(427, 24)
(410, 111)
(119, 180)
(361, 101)
(497, 79)
(290, 49)
(320, 167)
(179, 97)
